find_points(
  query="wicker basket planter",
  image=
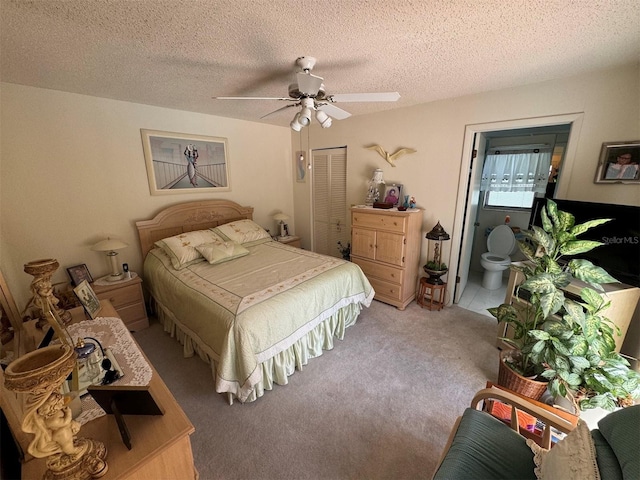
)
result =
(514, 381)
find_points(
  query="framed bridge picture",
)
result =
(183, 163)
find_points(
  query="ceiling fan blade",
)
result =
(280, 109)
(309, 84)
(364, 97)
(333, 111)
(256, 98)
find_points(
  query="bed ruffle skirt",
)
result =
(278, 368)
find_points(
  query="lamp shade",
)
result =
(438, 233)
(109, 245)
(280, 217)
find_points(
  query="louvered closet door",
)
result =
(329, 200)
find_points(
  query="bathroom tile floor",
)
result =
(479, 299)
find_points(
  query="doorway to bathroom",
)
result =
(474, 219)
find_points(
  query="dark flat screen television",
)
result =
(620, 256)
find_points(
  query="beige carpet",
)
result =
(380, 405)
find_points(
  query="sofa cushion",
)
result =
(485, 448)
(621, 429)
(606, 458)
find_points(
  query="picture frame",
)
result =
(619, 162)
(184, 163)
(78, 273)
(88, 299)
(393, 194)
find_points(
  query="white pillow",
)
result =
(572, 458)
(182, 248)
(242, 231)
(216, 253)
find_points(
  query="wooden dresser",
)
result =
(128, 300)
(161, 443)
(386, 246)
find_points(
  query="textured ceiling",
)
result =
(180, 53)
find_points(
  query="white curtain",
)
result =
(516, 170)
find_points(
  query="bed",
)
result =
(255, 309)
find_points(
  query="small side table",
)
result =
(291, 240)
(437, 294)
(127, 298)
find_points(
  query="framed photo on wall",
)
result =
(619, 162)
(88, 298)
(184, 163)
(79, 273)
(393, 194)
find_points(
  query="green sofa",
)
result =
(483, 447)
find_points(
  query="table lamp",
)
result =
(281, 217)
(110, 246)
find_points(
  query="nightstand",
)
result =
(127, 298)
(291, 240)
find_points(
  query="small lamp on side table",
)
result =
(435, 267)
(281, 217)
(110, 245)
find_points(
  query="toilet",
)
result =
(501, 243)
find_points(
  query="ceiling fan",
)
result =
(309, 93)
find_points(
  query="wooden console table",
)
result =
(161, 443)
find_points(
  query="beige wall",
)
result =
(72, 169)
(609, 101)
(72, 172)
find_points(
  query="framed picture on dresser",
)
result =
(88, 298)
(393, 194)
(78, 273)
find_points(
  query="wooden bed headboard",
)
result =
(186, 217)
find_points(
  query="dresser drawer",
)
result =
(390, 223)
(133, 314)
(382, 272)
(122, 296)
(385, 290)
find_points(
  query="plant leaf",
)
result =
(587, 272)
(551, 302)
(546, 223)
(578, 246)
(592, 299)
(583, 227)
(565, 221)
(579, 363)
(544, 239)
(541, 283)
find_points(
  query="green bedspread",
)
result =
(246, 310)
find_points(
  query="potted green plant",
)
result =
(567, 342)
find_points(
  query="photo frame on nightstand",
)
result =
(88, 299)
(78, 273)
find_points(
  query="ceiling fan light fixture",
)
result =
(295, 123)
(323, 119)
(305, 116)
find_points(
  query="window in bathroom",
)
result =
(509, 199)
(512, 176)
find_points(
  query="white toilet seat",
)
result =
(501, 243)
(495, 258)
